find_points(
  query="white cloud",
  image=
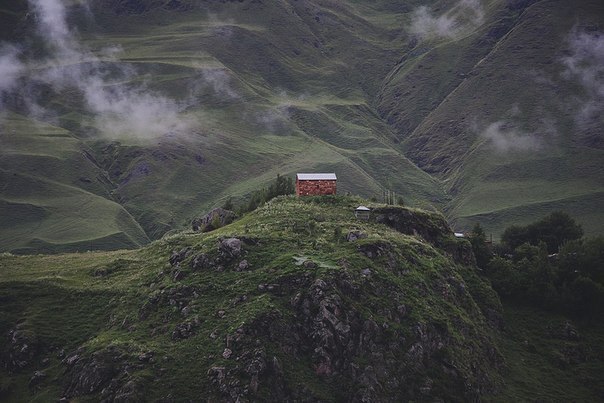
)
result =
(584, 65)
(10, 68)
(120, 110)
(463, 15)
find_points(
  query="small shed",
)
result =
(362, 212)
(316, 184)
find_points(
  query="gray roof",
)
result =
(316, 177)
(363, 208)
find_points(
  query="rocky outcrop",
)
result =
(107, 372)
(230, 248)
(21, 349)
(430, 226)
(367, 358)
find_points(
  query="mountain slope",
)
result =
(510, 135)
(477, 108)
(298, 300)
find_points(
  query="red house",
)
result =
(315, 184)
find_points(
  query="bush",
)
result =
(281, 186)
(481, 250)
(554, 230)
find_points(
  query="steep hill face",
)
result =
(296, 301)
(482, 108)
(510, 121)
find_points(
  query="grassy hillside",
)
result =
(464, 107)
(53, 197)
(297, 300)
(503, 124)
(266, 90)
(238, 303)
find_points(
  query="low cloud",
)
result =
(584, 64)
(503, 137)
(506, 136)
(10, 68)
(275, 120)
(118, 109)
(452, 24)
(219, 80)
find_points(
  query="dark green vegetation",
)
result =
(487, 122)
(297, 300)
(549, 357)
(546, 264)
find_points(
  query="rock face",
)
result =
(230, 248)
(21, 349)
(367, 358)
(430, 227)
(216, 218)
(433, 228)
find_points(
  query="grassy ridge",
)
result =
(53, 197)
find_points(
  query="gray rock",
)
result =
(201, 262)
(37, 378)
(309, 264)
(354, 235)
(230, 248)
(243, 265)
(178, 275)
(21, 350)
(179, 256)
(184, 330)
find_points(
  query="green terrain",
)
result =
(297, 300)
(121, 121)
(143, 114)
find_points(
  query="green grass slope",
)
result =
(481, 123)
(308, 315)
(501, 124)
(270, 89)
(53, 198)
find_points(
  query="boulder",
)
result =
(230, 248)
(243, 265)
(354, 235)
(37, 378)
(179, 256)
(21, 351)
(201, 262)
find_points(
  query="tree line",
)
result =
(547, 264)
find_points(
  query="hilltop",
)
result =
(297, 300)
(123, 119)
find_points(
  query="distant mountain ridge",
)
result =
(482, 109)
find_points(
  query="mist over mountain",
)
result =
(121, 120)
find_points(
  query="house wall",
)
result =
(313, 188)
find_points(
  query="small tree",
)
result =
(481, 250)
(228, 204)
